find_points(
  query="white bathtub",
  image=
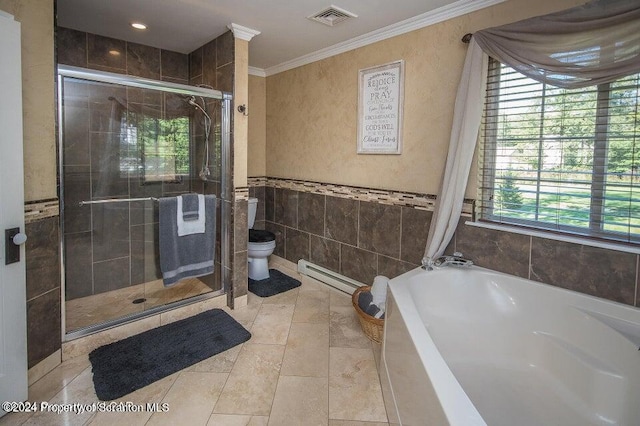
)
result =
(470, 346)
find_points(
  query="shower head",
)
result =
(192, 101)
(205, 172)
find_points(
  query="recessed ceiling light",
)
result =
(114, 52)
(138, 25)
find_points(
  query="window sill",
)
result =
(557, 237)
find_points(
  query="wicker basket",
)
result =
(371, 326)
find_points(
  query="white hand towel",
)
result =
(379, 291)
(192, 226)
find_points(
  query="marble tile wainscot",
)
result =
(239, 269)
(43, 281)
(364, 232)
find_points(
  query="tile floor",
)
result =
(307, 363)
(91, 310)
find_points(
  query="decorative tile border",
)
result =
(382, 196)
(241, 193)
(41, 209)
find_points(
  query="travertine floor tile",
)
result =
(300, 401)
(285, 298)
(53, 382)
(246, 314)
(339, 298)
(90, 310)
(352, 376)
(152, 394)
(307, 351)
(237, 420)
(220, 363)
(254, 299)
(191, 399)
(252, 382)
(271, 325)
(345, 330)
(311, 284)
(312, 306)
(307, 363)
(79, 391)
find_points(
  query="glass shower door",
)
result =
(123, 148)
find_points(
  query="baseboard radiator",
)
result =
(332, 279)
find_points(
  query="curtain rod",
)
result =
(467, 38)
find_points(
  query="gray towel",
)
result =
(364, 300)
(189, 207)
(190, 255)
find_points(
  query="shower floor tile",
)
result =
(91, 310)
(302, 376)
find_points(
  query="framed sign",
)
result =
(380, 101)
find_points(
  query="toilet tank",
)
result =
(253, 207)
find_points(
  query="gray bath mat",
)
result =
(122, 367)
(276, 283)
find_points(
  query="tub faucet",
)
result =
(452, 260)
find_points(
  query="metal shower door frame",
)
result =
(226, 183)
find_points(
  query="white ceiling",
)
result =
(286, 34)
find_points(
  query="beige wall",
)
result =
(36, 18)
(312, 110)
(240, 121)
(257, 141)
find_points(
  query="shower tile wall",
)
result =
(43, 281)
(86, 50)
(213, 65)
(362, 239)
(115, 245)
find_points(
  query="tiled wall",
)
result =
(111, 246)
(101, 53)
(359, 239)
(127, 255)
(213, 65)
(43, 280)
(239, 266)
(364, 236)
(595, 271)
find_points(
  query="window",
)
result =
(561, 159)
(157, 148)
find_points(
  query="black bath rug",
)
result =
(276, 283)
(127, 365)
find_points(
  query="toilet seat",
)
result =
(261, 236)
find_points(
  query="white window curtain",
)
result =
(596, 43)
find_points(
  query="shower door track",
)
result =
(225, 183)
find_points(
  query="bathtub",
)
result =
(470, 346)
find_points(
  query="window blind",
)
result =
(561, 159)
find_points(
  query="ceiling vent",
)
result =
(332, 15)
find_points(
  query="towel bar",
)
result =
(117, 200)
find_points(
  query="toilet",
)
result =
(261, 245)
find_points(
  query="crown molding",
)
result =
(453, 10)
(243, 33)
(259, 72)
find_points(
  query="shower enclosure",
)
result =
(125, 142)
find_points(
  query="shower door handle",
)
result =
(13, 239)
